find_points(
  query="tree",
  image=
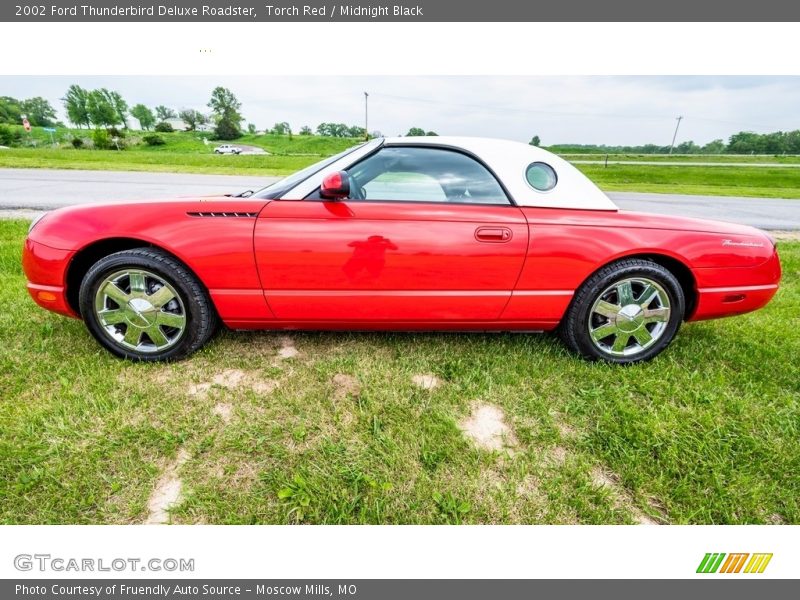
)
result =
(163, 113)
(535, 141)
(251, 128)
(227, 130)
(356, 132)
(120, 106)
(101, 112)
(10, 110)
(306, 130)
(192, 118)
(415, 131)
(714, 147)
(76, 103)
(333, 130)
(225, 105)
(39, 111)
(433, 133)
(282, 128)
(144, 115)
(164, 127)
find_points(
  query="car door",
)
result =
(428, 234)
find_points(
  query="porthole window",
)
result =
(541, 176)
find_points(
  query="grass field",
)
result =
(334, 427)
(183, 152)
(690, 158)
(153, 161)
(754, 182)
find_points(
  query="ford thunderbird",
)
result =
(428, 233)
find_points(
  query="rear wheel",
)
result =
(627, 312)
(144, 305)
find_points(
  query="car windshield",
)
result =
(279, 188)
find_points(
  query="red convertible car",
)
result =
(429, 233)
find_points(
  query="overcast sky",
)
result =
(589, 110)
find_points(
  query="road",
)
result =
(24, 191)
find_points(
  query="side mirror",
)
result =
(335, 186)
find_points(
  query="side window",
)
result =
(413, 174)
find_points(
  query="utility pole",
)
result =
(675, 135)
(366, 116)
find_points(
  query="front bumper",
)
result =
(46, 271)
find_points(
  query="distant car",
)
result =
(227, 149)
(427, 233)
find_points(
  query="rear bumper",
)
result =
(714, 303)
(46, 269)
(733, 291)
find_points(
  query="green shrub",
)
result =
(77, 142)
(9, 136)
(101, 139)
(151, 139)
(164, 127)
(116, 133)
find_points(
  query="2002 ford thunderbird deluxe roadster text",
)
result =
(399, 234)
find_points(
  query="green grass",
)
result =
(754, 182)
(709, 432)
(153, 161)
(703, 158)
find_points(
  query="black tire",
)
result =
(190, 302)
(575, 328)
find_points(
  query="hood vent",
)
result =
(246, 215)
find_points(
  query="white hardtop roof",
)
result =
(509, 160)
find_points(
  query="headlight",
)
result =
(35, 221)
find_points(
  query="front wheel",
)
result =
(627, 312)
(144, 305)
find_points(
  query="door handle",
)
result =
(493, 234)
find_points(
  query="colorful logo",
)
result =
(734, 563)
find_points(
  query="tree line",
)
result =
(744, 142)
(106, 109)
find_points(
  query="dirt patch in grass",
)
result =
(224, 411)
(345, 386)
(487, 429)
(265, 386)
(426, 381)
(287, 348)
(167, 493)
(605, 479)
(231, 379)
(557, 456)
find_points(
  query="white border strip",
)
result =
(374, 552)
(397, 49)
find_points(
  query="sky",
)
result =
(583, 110)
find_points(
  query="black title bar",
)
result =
(400, 10)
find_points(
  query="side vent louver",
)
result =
(246, 215)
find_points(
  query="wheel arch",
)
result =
(676, 266)
(88, 255)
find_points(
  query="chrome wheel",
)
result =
(139, 310)
(629, 316)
